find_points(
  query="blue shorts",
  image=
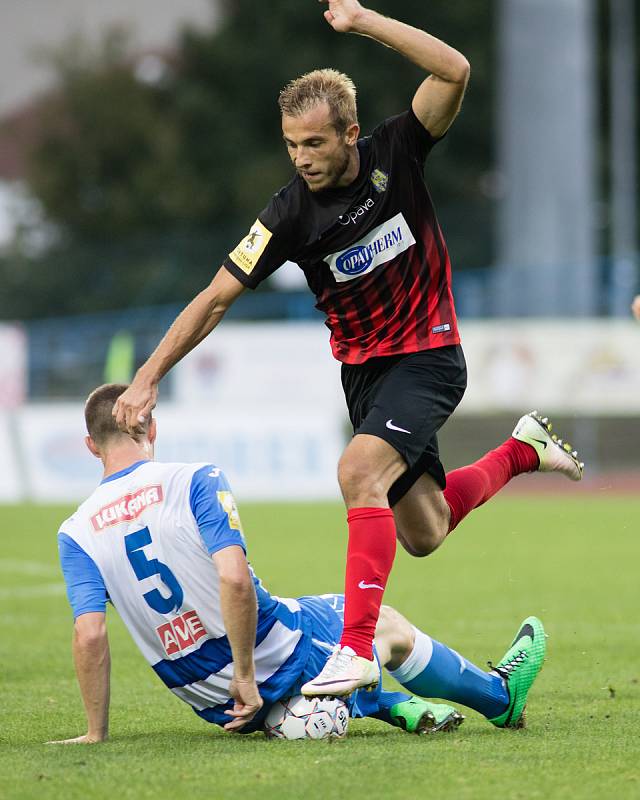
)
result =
(326, 612)
(325, 617)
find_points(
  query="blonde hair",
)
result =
(321, 86)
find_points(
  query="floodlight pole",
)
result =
(546, 256)
(624, 172)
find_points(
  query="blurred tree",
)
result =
(229, 80)
(127, 168)
(108, 147)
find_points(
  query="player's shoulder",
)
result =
(168, 468)
(158, 476)
(69, 525)
(395, 124)
(193, 467)
(208, 474)
(289, 201)
(192, 473)
(401, 125)
(74, 524)
(403, 137)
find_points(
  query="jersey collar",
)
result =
(124, 471)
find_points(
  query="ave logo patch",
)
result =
(247, 254)
(181, 633)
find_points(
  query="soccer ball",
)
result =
(307, 718)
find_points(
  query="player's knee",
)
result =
(397, 633)
(360, 485)
(421, 543)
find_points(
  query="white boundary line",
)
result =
(29, 592)
(23, 567)
(37, 569)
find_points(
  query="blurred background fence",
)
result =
(137, 144)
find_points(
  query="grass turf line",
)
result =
(571, 561)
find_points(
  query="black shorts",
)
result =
(405, 400)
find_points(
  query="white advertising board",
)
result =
(576, 366)
(264, 402)
(13, 365)
(58, 466)
(589, 367)
(257, 366)
(11, 485)
(270, 456)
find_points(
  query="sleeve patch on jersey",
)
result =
(229, 505)
(247, 254)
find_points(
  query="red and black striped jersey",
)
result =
(372, 252)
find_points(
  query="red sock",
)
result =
(370, 554)
(470, 487)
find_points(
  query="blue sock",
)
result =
(434, 670)
(386, 701)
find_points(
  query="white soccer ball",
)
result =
(307, 718)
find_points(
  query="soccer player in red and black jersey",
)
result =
(358, 219)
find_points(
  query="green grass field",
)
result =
(572, 561)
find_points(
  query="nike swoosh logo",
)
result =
(544, 444)
(393, 427)
(363, 585)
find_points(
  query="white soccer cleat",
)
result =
(343, 673)
(554, 454)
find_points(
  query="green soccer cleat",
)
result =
(418, 716)
(554, 454)
(518, 668)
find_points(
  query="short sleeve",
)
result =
(408, 133)
(214, 510)
(267, 245)
(85, 586)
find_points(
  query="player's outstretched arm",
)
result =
(93, 667)
(239, 614)
(191, 326)
(635, 307)
(439, 97)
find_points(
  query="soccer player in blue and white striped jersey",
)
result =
(164, 543)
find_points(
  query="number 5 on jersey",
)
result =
(148, 567)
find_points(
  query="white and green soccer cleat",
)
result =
(554, 454)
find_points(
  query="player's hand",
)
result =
(86, 739)
(247, 704)
(635, 307)
(343, 15)
(133, 407)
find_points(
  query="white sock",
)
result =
(417, 660)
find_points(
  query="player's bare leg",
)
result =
(395, 637)
(367, 469)
(395, 640)
(422, 517)
(428, 668)
(421, 520)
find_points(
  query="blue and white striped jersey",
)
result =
(144, 540)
